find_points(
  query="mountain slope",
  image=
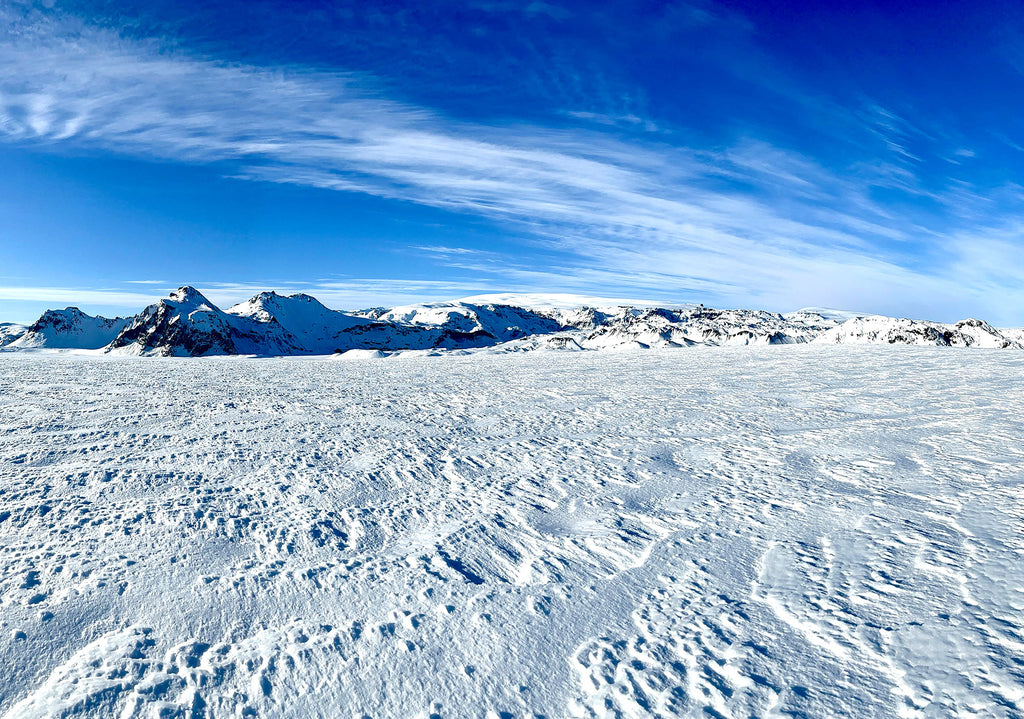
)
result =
(188, 324)
(318, 330)
(888, 330)
(310, 325)
(10, 331)
(69, 328)
(701, 325)
(555, 301)
(500, 322)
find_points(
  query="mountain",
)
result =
(700, 325)
(821, 313)
(69, 328)
(555, 301)
(463, 320)
(319, 330)
(1014, 334)
(10, 332)
(188, 324)
(887, 330)
(309, 325)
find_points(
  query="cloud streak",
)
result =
(749, 224)
(347, 294)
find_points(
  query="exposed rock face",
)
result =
(9, 332)
(701, 325)
(309, 325)
(981, 334)
(188, 324)
(69, 328)
(887, 330)
(499, 322)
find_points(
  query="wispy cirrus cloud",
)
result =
(72, 295)
(750, 223)
(348, 293)
(344, 294)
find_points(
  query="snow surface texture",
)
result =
(188, 324)
(805, 531)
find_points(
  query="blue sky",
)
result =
(744, 154)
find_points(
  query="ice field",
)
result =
(806, 531)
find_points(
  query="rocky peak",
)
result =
(189, 296)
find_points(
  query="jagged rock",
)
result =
(187, 323)
(69, 328)
(887, 330)
(9, 332)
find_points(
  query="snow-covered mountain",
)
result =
(69, 328)
(887, 330)
(10, 331)
(1014, 334)
(189, 324)
(660, 327)
(309, 325)
(822, 313)
(556, 301)
(453, 325)
(487, 322)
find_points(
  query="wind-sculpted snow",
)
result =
(805, 531)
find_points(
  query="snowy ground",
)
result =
(793, 531)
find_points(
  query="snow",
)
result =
(69, 328)
(9, 331)
(813, 531)
(823, 313)
(1015, 334)
(556, 301)
(501, 321)
(882, 330)
(314, 327)
(360, 354)
(188, 324)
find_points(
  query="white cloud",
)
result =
(751, 224)
(64, 296)
(346, 294)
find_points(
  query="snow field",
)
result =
(726, 532)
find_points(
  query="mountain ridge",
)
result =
(186, 323)
(69, 328)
